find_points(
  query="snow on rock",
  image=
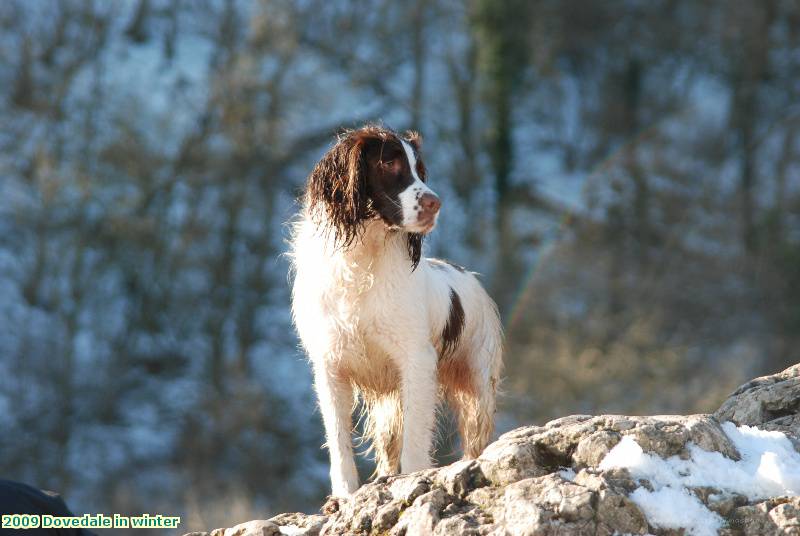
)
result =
(676, 508)
(603, 475)
(769, 466)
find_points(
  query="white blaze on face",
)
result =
(409, 198)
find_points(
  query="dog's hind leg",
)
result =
(475, 413)
(471, 390)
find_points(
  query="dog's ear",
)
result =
(414, 138)
(337, 188)
(415, 248)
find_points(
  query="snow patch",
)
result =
(769, 467)
(674, 508)
(567, 474)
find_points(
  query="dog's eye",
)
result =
(387, 163)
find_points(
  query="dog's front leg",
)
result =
(336, 405)
(418, 393)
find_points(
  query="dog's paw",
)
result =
(332, 505)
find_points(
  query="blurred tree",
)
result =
(501, 34)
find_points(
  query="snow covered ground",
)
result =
(769, 467)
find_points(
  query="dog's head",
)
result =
(374, 173)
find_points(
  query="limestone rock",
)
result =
(299, 524)
(769, 402)
(546, 480)
(250, 528)
(780, 515)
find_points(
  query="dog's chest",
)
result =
(369, 298)
(356, 300)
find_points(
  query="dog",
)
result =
(378, 321)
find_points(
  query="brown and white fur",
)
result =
(380, 322)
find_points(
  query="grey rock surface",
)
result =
(545, 480)
(769, 402)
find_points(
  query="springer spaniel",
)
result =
(380, 322)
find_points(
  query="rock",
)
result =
(708, 435)
(724, 504)
(780, 515)
(387, 515)
(593, 448)
(408, 488)
(769, 402)
(462, 525)
(250, 528)
(461, 477)
(422, 516)
(786, 516)
(510, 459)
(299, 524)
(616, 514)
(547, 480)
(549, 504)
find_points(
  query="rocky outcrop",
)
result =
(770, 402)
(559, 479)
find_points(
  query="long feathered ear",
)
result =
(415, 249)
(336, 193)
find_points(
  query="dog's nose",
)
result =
(430, 203)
